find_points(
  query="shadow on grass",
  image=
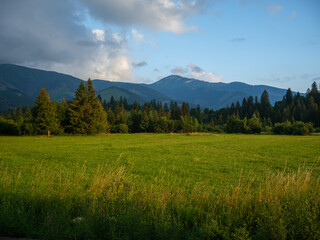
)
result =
(63, 206)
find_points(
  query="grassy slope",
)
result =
(217, 160)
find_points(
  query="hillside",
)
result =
(212, 95)
(29, 81)
(20, 86)
(142, 91)
(117, 92)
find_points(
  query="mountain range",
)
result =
(21, 85)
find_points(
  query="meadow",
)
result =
(160, 186)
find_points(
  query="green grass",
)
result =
(160, 186)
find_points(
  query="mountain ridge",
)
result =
(26, 83)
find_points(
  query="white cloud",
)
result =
(274, 8)
(99, 34)
(196, 72)
(62, 41)
(138, 37)
(206, 76)
(179, 71)
(159, 15)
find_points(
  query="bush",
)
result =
(212, 128)
(26, 128)
(254, 125)
(235, 125)
(8, 127)
(297, 128)
(121, 128)
(283, 128)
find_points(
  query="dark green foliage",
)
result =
(297, 128)
(44, 114)
(85, 112)
(235, 125)
(8, 127)
(120, 128)
(27, 127)
(254, 125)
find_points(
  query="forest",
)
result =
(87, 114)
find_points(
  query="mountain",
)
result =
(142, 91)
(212, 95)
(10, 98)
(117, 92)
(21, 85)
(29, 81)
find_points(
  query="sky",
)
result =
(274, 43)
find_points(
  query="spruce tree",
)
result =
(85, 112)
(265, 106)
(45, 115)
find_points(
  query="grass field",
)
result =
(160, 186)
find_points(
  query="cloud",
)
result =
(159, 15)
(139, 64)
(138, 37)
(55, 35)
(52, 35)
(206, 76)
(195, 68)
(274, 8)
(196, 72)
(238, 40)
(179, 71)
(99, 34)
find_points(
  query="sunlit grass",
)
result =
(152, 186)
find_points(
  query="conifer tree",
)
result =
(45, 115)
(27, 126)
(265, 106)
(85, 113)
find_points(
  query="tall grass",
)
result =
(63, 205)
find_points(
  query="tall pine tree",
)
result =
(44, 115)
(85, 112)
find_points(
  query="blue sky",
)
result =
(273, 43)
(260, 42)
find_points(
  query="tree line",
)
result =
(87, 114)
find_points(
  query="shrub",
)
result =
(283, 128)
(121, 128)
(235, 125)
(299, 128)
(254, 125)
(8, 127)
